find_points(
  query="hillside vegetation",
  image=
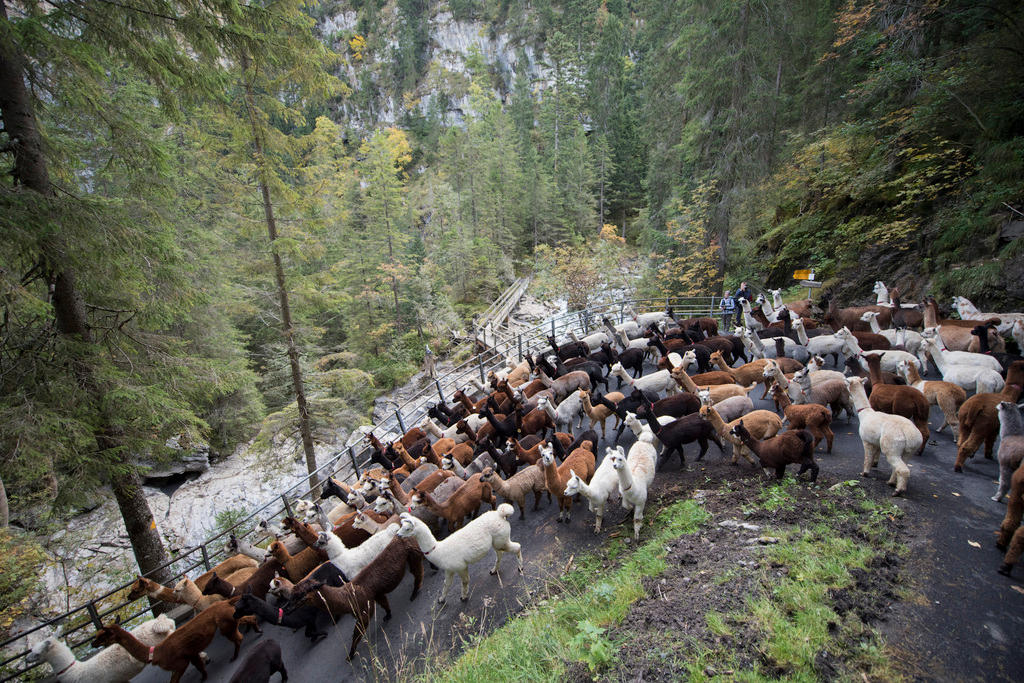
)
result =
(218, 216)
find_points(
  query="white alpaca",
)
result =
(645, 319)
(351, 561)
(770, 312)
(601, 485)
(112, 664)
(960, 357)
(749, 320)
(890, 357)
(594, 340)
(636, 472)
(566, 413)
(969, 311)
(894, 436)
(980, 379)
(453, 433)
(824, 344)
(657, 381)
(908, 339)
(758, 349)
(467, 545)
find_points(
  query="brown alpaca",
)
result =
(897, 399)
(850, 318)
(580, 461)
(749, 373)
(1011, 533)
(464, 502)
(297, 566)
(719, 392)
(514, 490)
(185, 645)
(531, 455)
(979, 418)
(946, 395)
(788, 448)
(229, 570)
(815, 418)
(761, 424)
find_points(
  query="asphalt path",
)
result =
(959, 620)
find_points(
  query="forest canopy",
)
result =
(223, 216)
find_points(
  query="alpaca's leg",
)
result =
(990, 442)
(448, 578)
(969, 442)
(198, 663)
(1005, 472)
(870, 454)
(1014, 512)
(1014, 552)
(382, 600)
(902, 473)
(638, 521)
(464, 575)
(497, 560)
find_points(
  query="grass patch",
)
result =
(570, 627)
(793, 610)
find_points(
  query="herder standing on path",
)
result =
(728, 309)
(742, 293)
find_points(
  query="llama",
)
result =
(465, 546)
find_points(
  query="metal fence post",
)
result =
(401, 422)
(519, 337)
(287, 506)
(480, 364)
(355, 465)
(440, 393)
(206, 557)
(553, 330)
(94, 615)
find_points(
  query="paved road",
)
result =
(964, 621)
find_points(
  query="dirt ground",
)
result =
(719, 568)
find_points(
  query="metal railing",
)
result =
(509, 345)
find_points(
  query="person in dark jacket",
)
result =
(742, 293)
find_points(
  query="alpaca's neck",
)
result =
(780, 377)
(931, 316)
(801, 333)
(625, 478)
(190, 593)
(1011, 424)
(756, 342)
(133, 645)
(873, 322)
(426, 541)
(716, 420)
(750, 442)
(687, 382)
(158, 592)
(939, 356)
(60, 656)
(305, 533)
(720, 362)
(860, 399)
(913, 376)
(875, 370)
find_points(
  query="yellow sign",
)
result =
(801, 274)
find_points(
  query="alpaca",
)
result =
(892, 435)
(598, 490)
(979, 419)
(113, 664)
(946, 395)
(557, 478)
(635, 474)
(1011, 445)
(465, 546)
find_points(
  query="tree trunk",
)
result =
(282, 294)
(31, 171)
(5, 515)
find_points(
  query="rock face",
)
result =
(452, 43)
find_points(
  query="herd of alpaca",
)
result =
(445, 492)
